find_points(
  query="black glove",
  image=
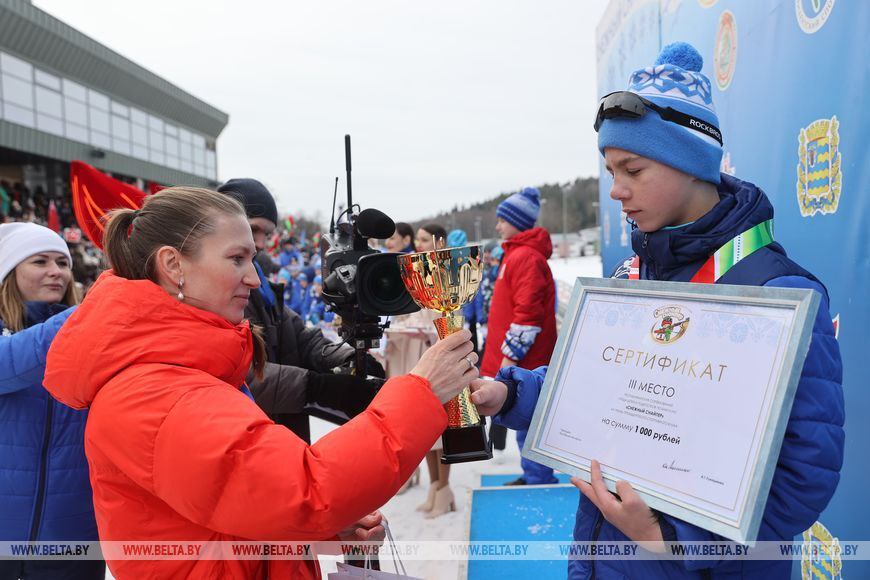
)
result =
(374, 368)
(346, 393)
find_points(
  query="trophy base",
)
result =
(462, 444)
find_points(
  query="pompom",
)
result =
(531, 193)
(681, 54)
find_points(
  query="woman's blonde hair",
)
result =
(12, 302)
(179, 217)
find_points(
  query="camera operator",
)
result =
(300, 360)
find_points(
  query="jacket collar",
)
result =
(741, 206)
(537, 239)
(38, 312)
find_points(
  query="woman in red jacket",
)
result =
(177, 448)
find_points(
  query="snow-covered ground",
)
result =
(567, 269)
(407, 524)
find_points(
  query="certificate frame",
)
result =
(802, 305)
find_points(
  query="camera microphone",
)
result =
(373, 223)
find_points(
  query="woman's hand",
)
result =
(628, 512)
(488, 396)
(448, 365)
(368, 529)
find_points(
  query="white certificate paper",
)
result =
(683, 394)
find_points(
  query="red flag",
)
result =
(95, 194)
(53, 218)
(155, 187)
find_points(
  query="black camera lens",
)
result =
(381, 290)
(385, 283)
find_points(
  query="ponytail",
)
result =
(118, 245)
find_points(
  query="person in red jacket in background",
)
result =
(522, 318)
(177, 448)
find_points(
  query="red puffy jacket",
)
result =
(177, 452)
(524, 294)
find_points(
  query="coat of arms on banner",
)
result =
(818, 172)
(821, 556)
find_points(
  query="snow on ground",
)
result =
(567, 269)
(407, 524)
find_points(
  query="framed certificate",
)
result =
(683, 390)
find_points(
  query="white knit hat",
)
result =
(20, 240)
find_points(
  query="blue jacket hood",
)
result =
(741, 206)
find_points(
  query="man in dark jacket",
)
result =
(299, 377)
(666, 176)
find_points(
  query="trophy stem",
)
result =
(461, 412)
(449, 323)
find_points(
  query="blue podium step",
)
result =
(516, 515)
(501, 479)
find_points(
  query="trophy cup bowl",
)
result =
(445, 280)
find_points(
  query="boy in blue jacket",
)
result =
(661, 143)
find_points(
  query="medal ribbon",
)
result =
(726, 257)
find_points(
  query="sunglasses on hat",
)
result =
(628, 105)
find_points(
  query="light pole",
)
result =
(595, 207)
(565, 222)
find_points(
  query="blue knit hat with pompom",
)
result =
(676, 81)
(521, 209)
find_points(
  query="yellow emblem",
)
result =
(821, 556)
(819, 179)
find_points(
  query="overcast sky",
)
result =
(449, 102)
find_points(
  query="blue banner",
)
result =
(789, 80)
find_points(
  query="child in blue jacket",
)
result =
(666, 176)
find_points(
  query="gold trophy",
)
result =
(445, 280)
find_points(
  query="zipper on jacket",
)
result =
(596, 531)
(647, 262)
(43, 468)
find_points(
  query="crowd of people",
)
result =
(173, 402)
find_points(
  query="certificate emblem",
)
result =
(670, 325)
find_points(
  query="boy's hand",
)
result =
(627, 512)
(488, 396)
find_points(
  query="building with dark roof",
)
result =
(65, 96)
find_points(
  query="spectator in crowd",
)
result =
(300, 300)
(522, 319)
(318, 312)
(430, 236)
(86, 263)
(176, 445)
(402, 240)
(289, 254)
(45, 494)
